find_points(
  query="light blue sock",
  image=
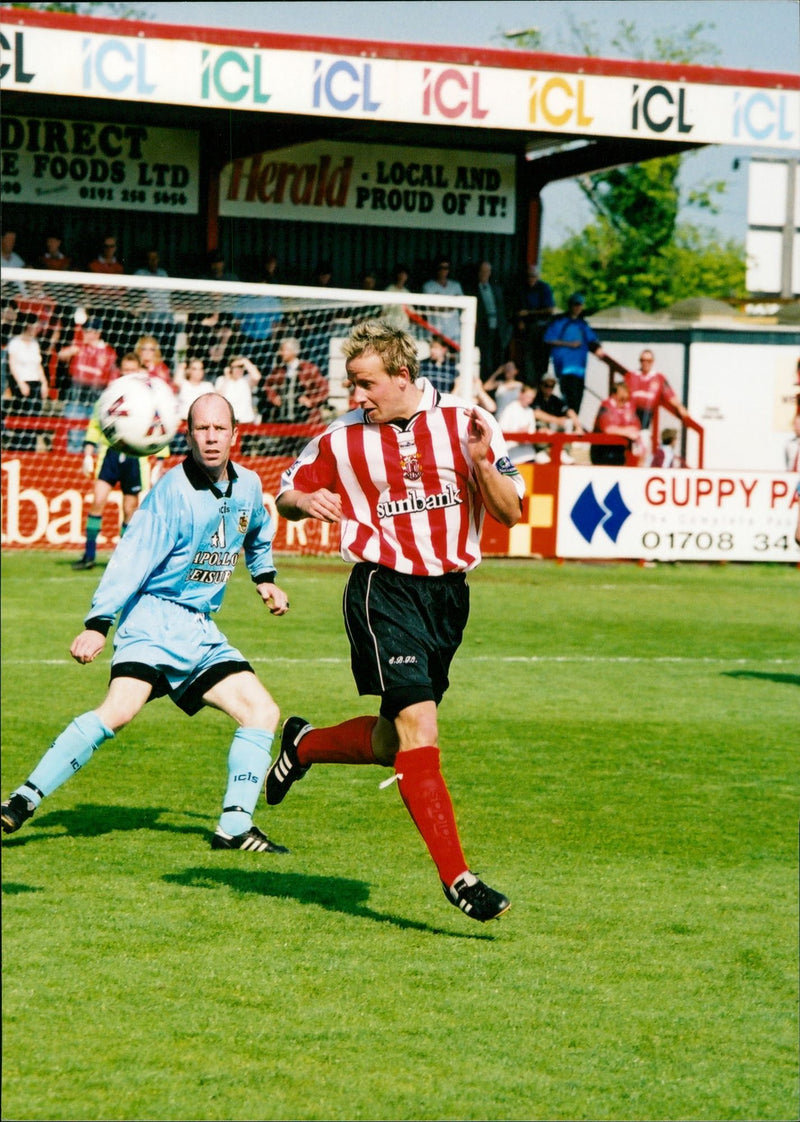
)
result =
(67, 754)
(248, 762)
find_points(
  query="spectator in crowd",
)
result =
(214, 337)
(152, 266)
(439, 368)
(554, 415)
(258, 318)
(157, 299)
(238, 385)
(649, 387)
(38, 301)
(533, 314)
(53, 256)
(295, 390)
(792, 449)
(269, 269)
(396, 314)
(108, 467)
(191, 382)
(218, 268)
(616, 416)
(474, 393)
(9, 258)
(148, 352)
(552, 411)
(368, 281)
(448, 324)
(504, 385)
(492, 329)
(92, 365)
(107, 261)
(571, 339)
(27, 386)
(518, 415)
(666, 455)
(322, 276)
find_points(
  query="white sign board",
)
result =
(773, 203)
(676, 515)
(99, 164)
(372, 185)
(232, 71)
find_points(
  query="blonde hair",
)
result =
(394, 347)
(137, 350)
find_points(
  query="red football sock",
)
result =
(423, 790)
(347, 743)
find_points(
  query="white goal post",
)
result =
(88, 325)
(216, 319)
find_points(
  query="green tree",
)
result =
(693, 263)
(111, 10)
(629, 254)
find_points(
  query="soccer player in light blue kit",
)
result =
(166, 579)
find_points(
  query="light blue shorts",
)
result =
(181, 652)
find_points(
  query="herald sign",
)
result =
(372, 185)
(678, 515)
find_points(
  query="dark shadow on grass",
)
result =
(68, 562)
(14, 888)
(766, 675)
(335, 894)
(88, 820)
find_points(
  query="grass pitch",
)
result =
(621, 746)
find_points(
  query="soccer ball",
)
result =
(138, 415)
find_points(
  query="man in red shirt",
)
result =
(106, 261)
(295, 390)
(408, 475)
(647, 386)
(92, 365)
(616, 416)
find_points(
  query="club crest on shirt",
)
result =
(244, 521)
(411, 467)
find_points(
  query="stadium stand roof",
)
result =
(250, 91)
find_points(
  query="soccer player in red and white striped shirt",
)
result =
(408, 474)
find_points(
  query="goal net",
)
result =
(273, 350)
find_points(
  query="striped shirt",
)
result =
(410, 499)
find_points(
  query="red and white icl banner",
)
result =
(677, 515)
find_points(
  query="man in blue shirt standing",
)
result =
(571, 338)
(165, 580)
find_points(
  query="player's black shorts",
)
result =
(119, 468)
(191, 700)
(403, 631)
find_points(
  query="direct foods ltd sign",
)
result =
(99, 164)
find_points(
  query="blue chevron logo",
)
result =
(588, 513)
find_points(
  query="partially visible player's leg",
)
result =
(74, 747)
(242, 696)
(350, 742)
(426, 797)
(94, 521)
(131, 484)
(423, 789)
(130, 504)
